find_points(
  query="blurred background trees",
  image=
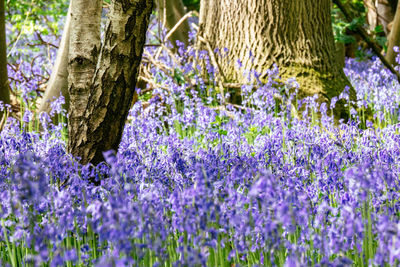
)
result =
(4, 86)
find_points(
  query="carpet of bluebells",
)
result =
(199, 183)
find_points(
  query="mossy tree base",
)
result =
(295, 35)
(326, 86)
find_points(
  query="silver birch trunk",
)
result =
(84, 47)
(114, 82)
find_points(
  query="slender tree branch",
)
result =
(187, 15)
(216, 65)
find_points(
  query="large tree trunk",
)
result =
(4, 85)
(170, 12)
(84, 47)
(114, 83)
(295, 35)
(58, 82)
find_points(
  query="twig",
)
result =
(163, 67)
(367, 39)
(106, 5)
(153, 84)
(159, 49)
(187, 15)
(3, 118)
(15, 68)
(232, 85)
(238, 106)
(223, 108)
(216, 65)
(171, 54)
(43, 42)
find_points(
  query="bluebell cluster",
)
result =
(193, 184)
(199, 182)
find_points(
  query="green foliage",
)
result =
(343, 29)
(253, 132)
(32, 25)
(179, 78)
(28, 15)
(218, 123)
(192, 4)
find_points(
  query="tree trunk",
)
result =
(4, 85)
(394, 38)
(380, 12)
(58, 82)
(295, 35)
(84, 47)
(114, 82)
(372, 16)
(170, 12)
(385, 14)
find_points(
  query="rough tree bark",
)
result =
(114, 82)
(4, 85)
(58, 82)
(295, 35)
(170, 12)
(84, 47)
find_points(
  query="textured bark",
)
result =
(114, 82)
(341, 53)
(394, 38)
(174, 10)
(295, 35)
(58, 82)
(84, 47)
(372, 16)
(4, 85)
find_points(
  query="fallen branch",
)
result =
(161, 66)
(171, 54)
(216, 65)
(153, 84)
(231, 85)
